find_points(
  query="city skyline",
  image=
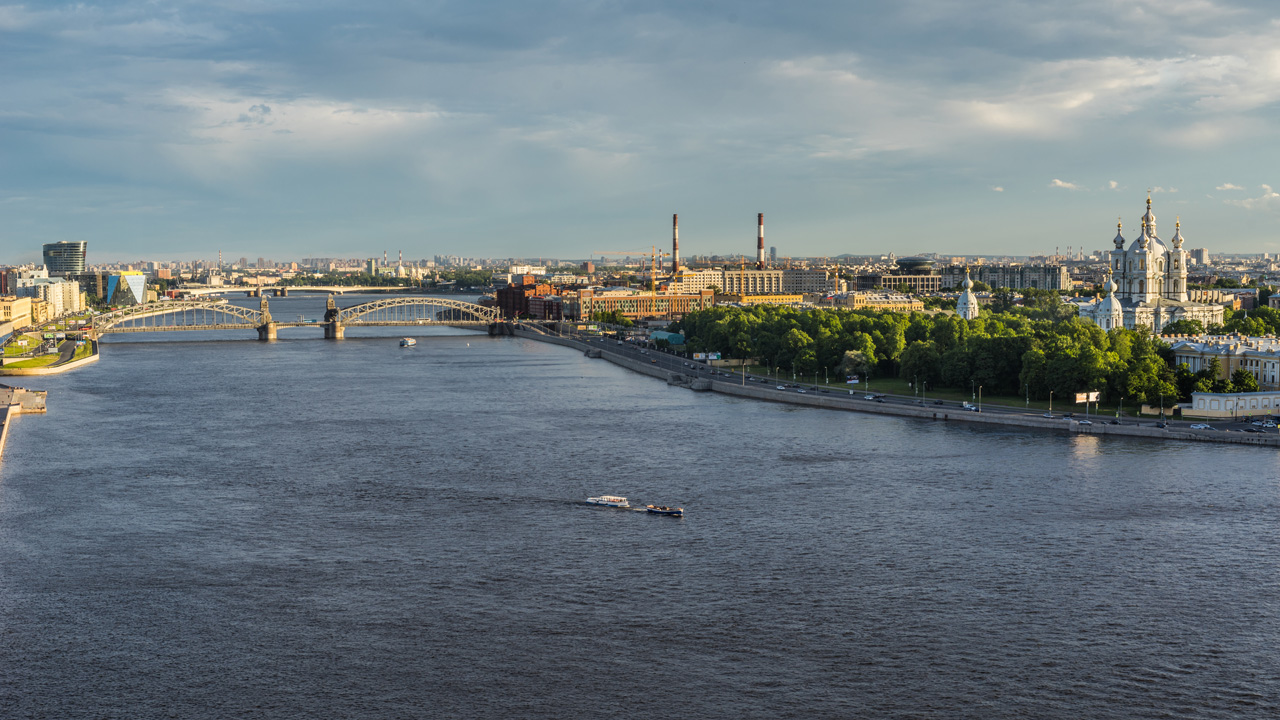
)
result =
(1009, 129)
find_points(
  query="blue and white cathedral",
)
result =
(1147, 284)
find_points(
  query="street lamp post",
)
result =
(979, 398)
(1050, 403)
(1028, 395)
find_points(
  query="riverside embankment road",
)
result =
(664, 363)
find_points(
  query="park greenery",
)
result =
(612, 317)
(1011, 350)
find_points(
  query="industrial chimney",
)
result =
(760, 241)
(675, 244)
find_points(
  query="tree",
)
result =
(854, 362)
(1243, 381)
(1183, 327)
(921, 361)
(979, 286)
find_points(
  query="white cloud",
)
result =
(1269, 200)
(1229, 186)
(1113, 185)
(1158, 189)
(1064, 185)
(997, 188)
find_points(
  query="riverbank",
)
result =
(855, 403)
(76, 359)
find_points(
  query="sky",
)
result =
(335, 128)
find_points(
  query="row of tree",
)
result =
(1031, 350)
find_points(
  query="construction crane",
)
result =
(654, 254)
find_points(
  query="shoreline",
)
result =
(855, 404)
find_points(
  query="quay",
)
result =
(670, 369)
(17, 401)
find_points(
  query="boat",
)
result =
(408, 342)
(609, 501)
(664, 510)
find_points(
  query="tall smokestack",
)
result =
(760, 241)
(675, 244)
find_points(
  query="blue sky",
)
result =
(330, 128)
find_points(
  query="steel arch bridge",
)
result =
(176, 315)
(415, 311)
(180, 315)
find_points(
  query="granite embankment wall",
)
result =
(855, 403)
(6, 415)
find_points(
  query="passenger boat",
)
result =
(609, 501)
(664, 510)
(408, 342)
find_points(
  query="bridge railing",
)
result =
(177, 315)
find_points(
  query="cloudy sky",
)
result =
(339, 128)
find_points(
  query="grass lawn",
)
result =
(42, 361)
(83, 352)
(898, 386)
(13, 348)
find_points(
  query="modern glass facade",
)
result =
(126, 288)
(65, 257)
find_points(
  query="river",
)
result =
(212, 526)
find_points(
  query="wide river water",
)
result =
(216, 527)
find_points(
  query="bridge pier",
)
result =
(267, 332)
(334, 331)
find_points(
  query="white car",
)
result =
(799, 390)
(782, 387)
(868, 397)
(1085, 422)
(1200, 426)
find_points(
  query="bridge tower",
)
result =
(267, 330)
(332, 328)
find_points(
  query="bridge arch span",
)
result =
(417, 311)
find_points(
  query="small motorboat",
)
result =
(664, 510)
(408, 342)
(609, 501)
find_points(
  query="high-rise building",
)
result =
(65, 257)
(773, 254)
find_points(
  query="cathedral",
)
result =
(1147, 284)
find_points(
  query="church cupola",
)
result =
(1149, 220)
(1119, 241)
(1177, 234)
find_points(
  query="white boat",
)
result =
(609, 501)
(408, 342)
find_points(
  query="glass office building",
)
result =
(65, 258)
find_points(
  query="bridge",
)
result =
(191, 315)
(284, 290)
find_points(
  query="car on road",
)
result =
(800, 390)
(937, 402)
(1048, 415)
(1067, 415)
(782, 387)
(1113, 422)
(868, 397)
(879, 400)
(1201, 426)
(1085, 422)
(1162, 425)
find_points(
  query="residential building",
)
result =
(1260, 356)
(16, 310)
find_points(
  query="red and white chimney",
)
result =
(675, 244)
(760, 241)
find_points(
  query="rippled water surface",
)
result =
(227, 528)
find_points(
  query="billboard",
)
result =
(853, 380)
(706, 356)
(1088, 397)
